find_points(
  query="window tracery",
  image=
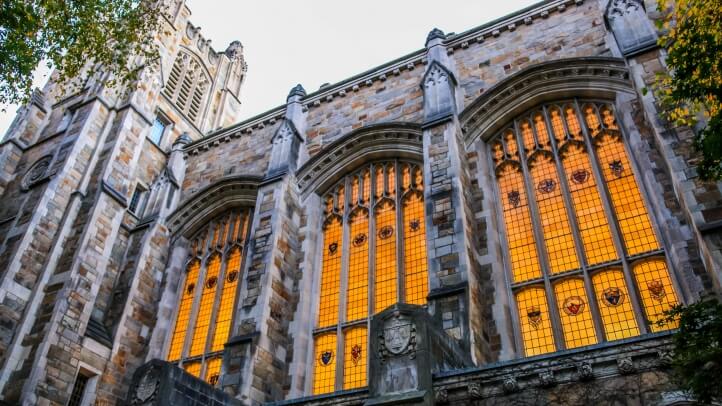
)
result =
(187, 85)
(374, 255)
(208, 294)
(584, 258)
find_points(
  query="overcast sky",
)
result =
(317, 41)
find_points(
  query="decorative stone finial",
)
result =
(297, 90)
(434, 34)
(234, 50)
(183, 139)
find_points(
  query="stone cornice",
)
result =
(205, 204)
(587, 77)
(394, 140)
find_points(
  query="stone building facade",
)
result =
(499, 217)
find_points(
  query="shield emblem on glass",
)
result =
(612, 297)
(326, 357)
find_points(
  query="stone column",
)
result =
(456, 279)
(257, 357)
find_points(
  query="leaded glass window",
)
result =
(207, 299)
(584, 260)
(374, 255)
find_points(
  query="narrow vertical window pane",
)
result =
(634, 222)
(357, 305)
(593, 224)
(184, 311)
(203, 320)
(385, 288)
(614, 305)
(156, 132)
(575, 313)
(330, 274)
(656, 290)
(324, 375)
(416, 285)
(213, 371)
(228, 295)
(519, 229)
(76, 396)
(354, 358)
(536, 327)
(553, 216)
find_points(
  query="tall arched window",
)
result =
(585, 262)
(374, 255)
(207, 299)
(187, 85)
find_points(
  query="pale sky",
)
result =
(317, 41)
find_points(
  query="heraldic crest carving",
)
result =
(398, 337)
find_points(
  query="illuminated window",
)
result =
(207, 299)
(584, 259)
(373, 238)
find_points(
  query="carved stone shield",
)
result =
(146, 386)
(397, 335)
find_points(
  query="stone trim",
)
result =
(203, 206)
(597, 77)
(394, 140)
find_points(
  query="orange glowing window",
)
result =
(536, 327)
(208, 296)
(324, 376)
(354, 358)
(575, 313)
(330, 274)
(184, 311)
(656, 290)
(213, 371)
(553, 215)
(385, 288)
(589, 214)
(615, 305)
(416, 284)
(634, 222)
(206, 303)
(228, 295)
(519, 231)
(588, 206)
(357, 296)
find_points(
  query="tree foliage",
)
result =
(697, 359)
(75, 37)
(692, 93)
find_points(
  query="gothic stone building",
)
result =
(499, 217)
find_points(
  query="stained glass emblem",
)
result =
(213, 380)
(617, 168)
(534, 315)
(386, 232)
(191, 287)
(211, 282)
(547, 186)
(580, 176)
(514, 198)
(359, 240)
(415, 224)
(326, 357)
(232, 276)
(656, 290)
(573, 305)
(332, 247)
(356, 354)
(612, 297)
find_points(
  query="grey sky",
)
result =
(316, 41)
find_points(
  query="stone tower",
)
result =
(86, 182)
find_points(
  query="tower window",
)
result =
(158, 130)
(76, 397)
(136, 200)
(187, 85)
(584, 260)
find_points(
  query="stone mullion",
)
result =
(400, 271)
(205, 256)
(371, 276)
(540, 244)
(571, 214)
(216, 303)
(614, 223)
(343, 283)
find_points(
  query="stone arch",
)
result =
(206, 204)
(594, 77)
(391, 140)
